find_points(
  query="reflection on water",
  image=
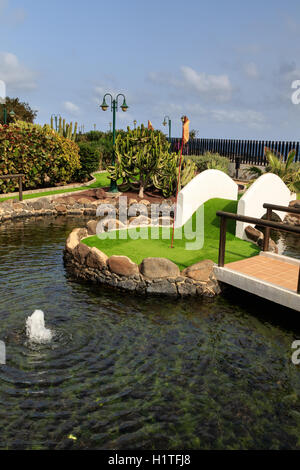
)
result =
(125, 372)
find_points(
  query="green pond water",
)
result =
(126, 372)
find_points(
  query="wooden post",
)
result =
(267, 231)
(222, 242)
(298, 287)
(20, 189)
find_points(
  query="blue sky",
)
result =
(228, 65)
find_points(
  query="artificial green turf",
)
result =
(139, 249)
(102, 181)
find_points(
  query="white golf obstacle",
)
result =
(207, 185)
(268, 188)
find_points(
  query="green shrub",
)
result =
(288, 171)
(89, 160)
(143, 161)
(44, 157)
(166, 177)
(212, 161)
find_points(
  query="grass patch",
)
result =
(102, 181)
(141, 248)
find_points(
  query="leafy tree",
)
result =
(22, 110)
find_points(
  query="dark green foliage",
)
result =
(143, 161)
(104, 143)
(43, 156)
(22, 110)
(89, 159)
(212, 161)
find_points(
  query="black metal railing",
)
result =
(251, 152)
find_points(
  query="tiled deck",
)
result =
(277, 272)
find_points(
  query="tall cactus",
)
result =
(166, 177)
(65, 129)
(143, 160)
(137, 158)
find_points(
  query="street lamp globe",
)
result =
(104, 105)
(124, 106)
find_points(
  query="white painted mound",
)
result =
(207, 185)
(268, 188)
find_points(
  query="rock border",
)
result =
(155, 276)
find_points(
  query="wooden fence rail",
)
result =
(250, 152)
(251, 220)
(20, 178)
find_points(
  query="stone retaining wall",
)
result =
(12, 209)
(152, 276)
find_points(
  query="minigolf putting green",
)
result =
(137, 250)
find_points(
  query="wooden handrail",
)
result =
(263, 223)
(274, 207)
(243, 218)
(19, 176)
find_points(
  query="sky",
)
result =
(229, 66)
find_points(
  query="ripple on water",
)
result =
(135, 373)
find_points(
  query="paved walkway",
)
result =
(277, 272)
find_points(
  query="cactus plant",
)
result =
(137, 158)
(65, 129)
(143, 160)
(166, 177)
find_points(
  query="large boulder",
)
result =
(112, 224)
(253, 234)
(74, 238)
(81, 252)
(85, 201)
(140, 220)
(122, 265)
(273, 248)
(96, 259)
(100, 193)
(154, 268)
(199, 271)
(61, 208)
(92, 227)
(162, 287)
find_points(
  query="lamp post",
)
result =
(167, 120)
(114, 109)
(11, 113)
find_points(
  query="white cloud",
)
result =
(208, 86)
(71, 108)
(248, 117)
(251, 70)
(204, 83)
(14, 74)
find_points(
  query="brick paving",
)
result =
(268, 269)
